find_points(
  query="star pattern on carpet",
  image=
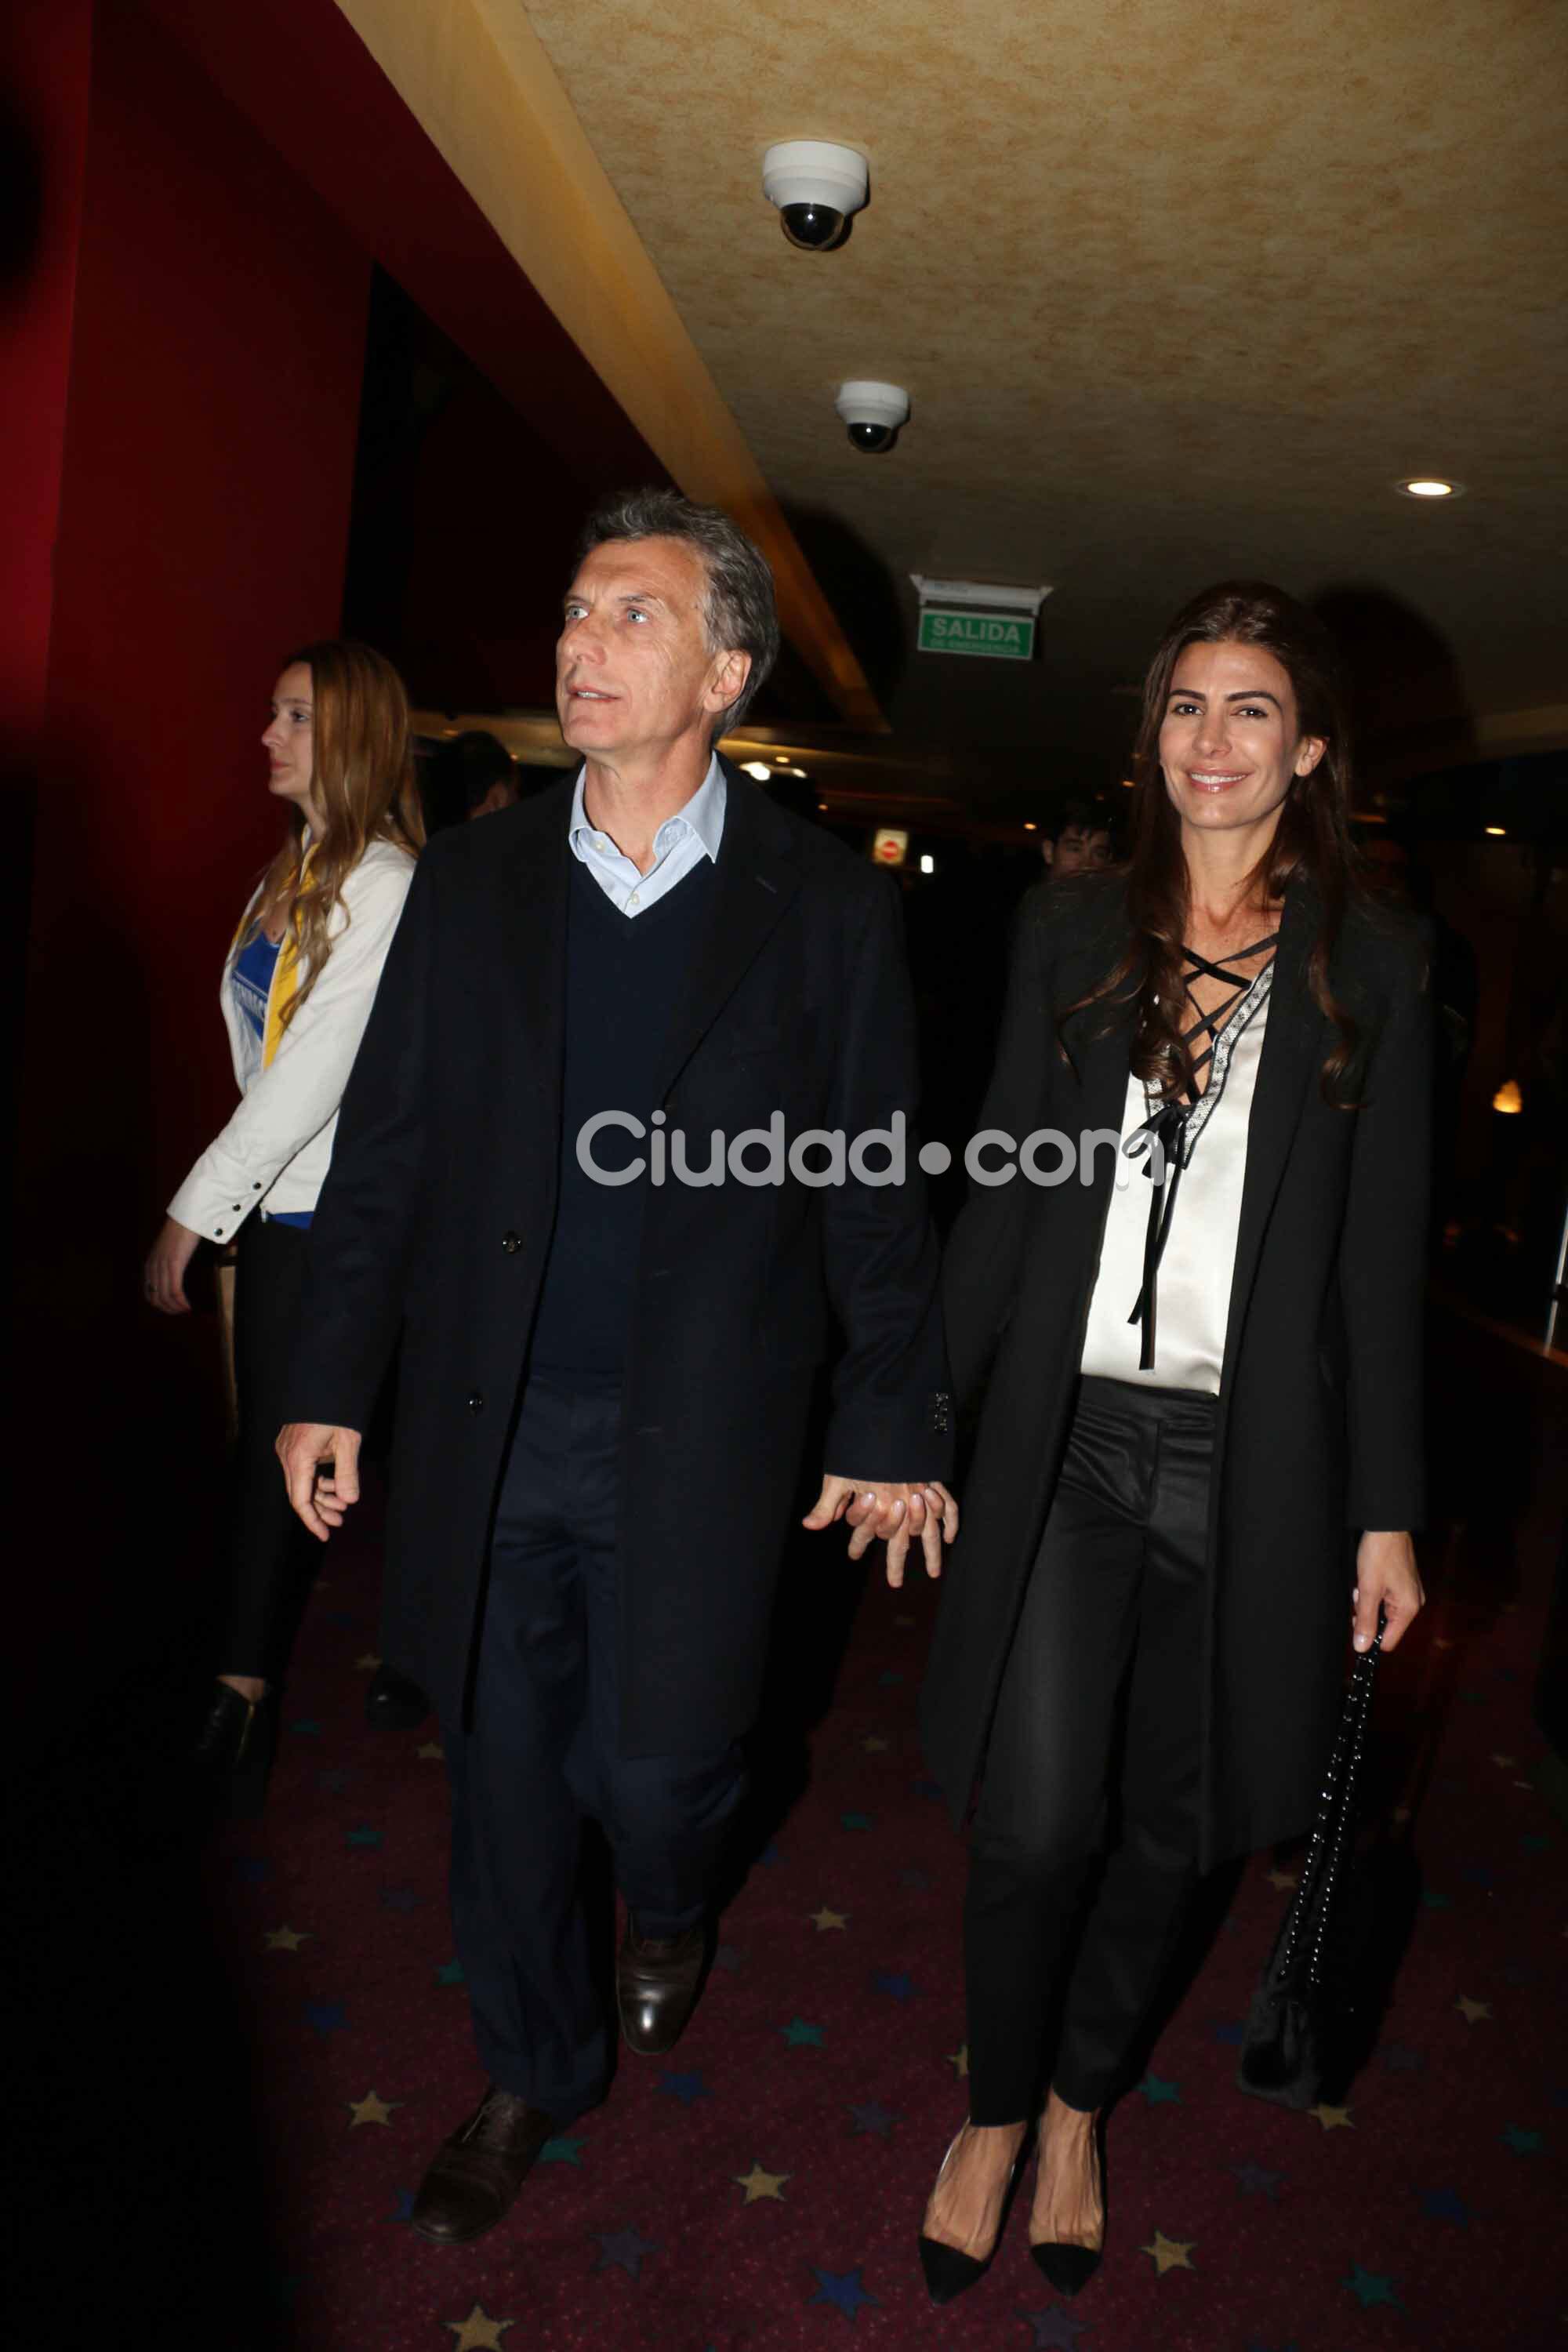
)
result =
(1400, 2059)
(1474, 2013)
(478, 2332)
(825, 1920)
(371, 2109)
(802, 2036)
(450, 1972)
(1056, 2330)
(844, 2290)
(875, 1746)
(874, 2119)
(1443, 2205)
(1523, 2143)
(561, 2151)
(431, 1751)
(326, 2017)
(761, 2186)
(1370, 2287)
(686, 2088)
(1159, 2094)
(729, 1958)
(959, 2060)
(1282, 1879)
(400, 1899)
(1331, 2118)
(367, 1663)
(856, 1821)
(363, 1836)
(1170, 2254)
(624, 2250)
(287, 1939)
(1255, 2180)
(895, 1983)
(402, 2205)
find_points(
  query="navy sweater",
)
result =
(625, 977)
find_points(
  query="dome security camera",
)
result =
(816, 187)
(872, 413)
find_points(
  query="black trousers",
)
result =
(541, 1758)
(1084, 1855)
(271, 1559)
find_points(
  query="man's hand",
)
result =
(163, 1276)
(1386, 1576)
(900, 1513)
(320, 1496)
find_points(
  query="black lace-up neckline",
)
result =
(1169, 1136)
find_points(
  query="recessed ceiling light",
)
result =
(1029, 825)
(757, 768)
(1429, 485)
(1500, 830)
(1129, 784)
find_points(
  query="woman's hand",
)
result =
(163, 1276)
(1387, 1577)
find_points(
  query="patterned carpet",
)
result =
(763, 2187)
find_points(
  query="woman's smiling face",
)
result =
(1230, 741)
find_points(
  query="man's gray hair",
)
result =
(738, 612)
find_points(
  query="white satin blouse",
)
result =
(1192, 1285)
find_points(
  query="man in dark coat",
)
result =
(562, 1173)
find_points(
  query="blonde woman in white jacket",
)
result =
(298, 984)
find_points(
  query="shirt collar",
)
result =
(703, 814)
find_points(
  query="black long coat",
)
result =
(1319, 1432)
(437, 1219)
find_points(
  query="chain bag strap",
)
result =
(1285, 2050)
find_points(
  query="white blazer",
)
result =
(276, 1149)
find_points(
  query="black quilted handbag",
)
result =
(1307, 2012)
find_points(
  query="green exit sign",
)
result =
(1000, 637)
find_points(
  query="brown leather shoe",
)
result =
(478, 2171)
(657, 1980)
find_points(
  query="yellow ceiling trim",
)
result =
(478, 80)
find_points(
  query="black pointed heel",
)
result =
(1071, 2268)
(949, 2273)
(1067, 2268)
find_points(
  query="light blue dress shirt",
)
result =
(692, 833)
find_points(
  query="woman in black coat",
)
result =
(1197, 1300)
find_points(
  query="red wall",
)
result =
(214, 371)
(45, 65)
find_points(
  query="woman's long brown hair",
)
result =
(1311, 841)
(362, 781)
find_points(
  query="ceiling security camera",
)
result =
(816, 187)
(872, 414)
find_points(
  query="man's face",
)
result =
(634, 670)
(1077, 849)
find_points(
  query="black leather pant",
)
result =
(1084, 1855)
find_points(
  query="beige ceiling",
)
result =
(1177, 291)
